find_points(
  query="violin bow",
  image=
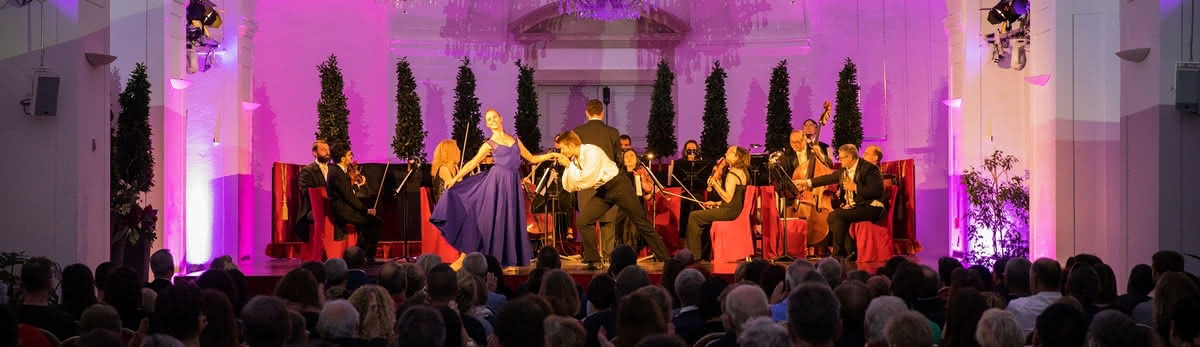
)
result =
(381, 178)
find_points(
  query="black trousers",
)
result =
(839, 226)
(367, 227)
(704, 218)
(618, 191)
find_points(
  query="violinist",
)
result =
(629, 165)
(729, 182)
(346, 207)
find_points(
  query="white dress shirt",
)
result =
(1027, 309)
(591, 169)
(324, 169)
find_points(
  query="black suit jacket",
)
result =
(310, 177)
(866, 177)
(347, 209)
(791, 160)
(690, 326)
(598, 134)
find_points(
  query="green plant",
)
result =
(132, 161)
(999, 212)
(847, 120)
(527, 109)
(408, 143)
(779, 109)
(466, 111)
(660, 127)
(333, 116)
(714, 139)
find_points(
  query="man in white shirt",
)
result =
(861, 197)
(589, 167)
(313, 175)
(1045, 278)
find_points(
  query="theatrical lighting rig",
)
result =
(202, 15)
(1009, 42)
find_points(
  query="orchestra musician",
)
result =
(312, 175)
(346, 207)
(636, 174)
(731, 188)
(446, 158)
(805, 141)
(626, 143)
(873, 154)
(861, 197)
(595, 132)
(691, 175)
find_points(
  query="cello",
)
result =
(815, 204)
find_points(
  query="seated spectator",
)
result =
(601, 296)
(35, 310)
(1173, 289)
(831, 270)
(563, 331)
(547, 258)
(1137, 289)
(771, 278)
(99, 317)
(495, 282)
(335, 287)
(299, 290)
(224, 263)
(393, 280)
(946, 267)
(689, 322)
(427, 261)
(985, 278)
(221, 281)
(751, 271)
(239, 282)
(662, 299)
(534, 283)
(710, 304)
(443, 285)
(740, 305)
(100, 338)
(414, 278)
(1161, 262)
(377, 314)
(1185, 323)
(859, 275)
(1084, 285)
(356, 261)
(661, 340)
(880, 285)
(630, 279)
(963, 312)
(621, 257)
(78, 290)
(338, 324)
(1059, 325)
(763, 332)
(101, 274)
(471, 301)
(928, 302)
(1046, 278)
(879, 312)
(180, 314)
(516, 324)
(318, 270)
(792, 279)
(998, 328)
(421, 326)
(476, 264)
(1016, 278)
(299, 329)
(889, 267)
(162, 265)
(123, 292)
(814, 316)
(1107, 296)
(149, 296)
(222, 326)
(1111, 328)
(266, 322)
(558, 284)
(909, 329)
(637, 317)
(671, 269)
(854, 298)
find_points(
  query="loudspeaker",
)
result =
(1187, 86)
(45, 95)
(606, 95)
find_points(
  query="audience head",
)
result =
(78, 289)
(796, 272)
(180, 312)
(813, 315)
(1111, 328)
(222, 328)
(475, 264)
(335, 271)
(999, 328)
(662, 299)
(1166, 261)
(547, 258)
(984, 275)
(1107, 293)
(534, 283)
(750, 271)
(102, 272)
(595, 109)
(318, 270)
(1045, 275)
(638, 316)
(421, 326)
(688, 286)
(854, 298)
(299, 329)
(392, 279)
(601, 292)
(124, 290)
(224, 262)
(710, 294)
(1016, 275)
(763, 332)
(859, 275)
(428, 261)
(963, 311)
(454, 323)
(1141, 280)
(512, 322)
(879, 312)
(414, 279)
(685, 256)
(100, 316)
(931, 285)
(266, 322)
(831, 270)
(1173, 288)
(149, 296)
(558, 284)
(907, 282)
(909, 329)
(1185, 323)
(377, 312)
(100, 338)
(630, 279)
(621, 257)
(162, 264)
(356, 258)
(889, 267)
(443, 284)
(1084, 283)
(946, 267)
(1060, 325)
(471, 291)
(219, 280)
(563, 332)
(299, 286)
(338, 320)
(880, 285)
(37, 276)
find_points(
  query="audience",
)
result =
(149, 296)
(763, 332)
(831, 270)
(100, 338)
(162, 265)
(1045, 277)
(1106, 297)
(455, 333)
(1112, 328)
(99, 317)
(638, 316)
(442, 286)
(377, 314)
(495, 282)
(1083, 284)
(222, 327)
(854, 298)
(630, 279)
(1016, 278)
(37, 275)
(335, 285)
(946, 267)
(101, 274)
(1060, 325)
(909, 329)
(513, 328)
(421, 326)
(476, 264)
(1137, 289)
(78, 290)
(563, 331)
(601, 295)
(929, 302)
(662, 299)
(859, 276)
(266, 322)
(356, 261)
(221, 281)
(880, 285)
(1185, 323)
(621, 257)
(710, 304)
(879, 312)
(1161, 262)
(414, 278)
(792, 279)
(814, 316)
(391, 279)
(558, 284)
(181, 314)
(299, 329)
(998, 328)
(338, 324)
(689, 322)
(319, 273)
(661, 340)
(122, 292)
(1173, 288)
(299, 290)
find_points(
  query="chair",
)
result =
(732, 240)
(36, 337)
(774, 225)
(432, 241)
(322, 228)
(874, 239)
(71, 342)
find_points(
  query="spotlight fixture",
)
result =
(250, 106)
(955, 103)
(201, 16)
(180, 84)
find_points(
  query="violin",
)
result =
(717, 173)
(356, 176)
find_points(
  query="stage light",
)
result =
(180, 84)
(1039, 80)
(955, 103)
(250, 106)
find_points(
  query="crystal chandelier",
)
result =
(606, 10)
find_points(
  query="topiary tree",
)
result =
(408, 143)
(847, 120)
(466, 111)
(527, 109)
(779, 109)
(660, 127)
(333, 116)
(132, 160)
(714, 139)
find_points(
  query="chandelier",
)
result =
(606, 10)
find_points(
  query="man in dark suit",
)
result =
(861, 197)
(312, 175)
(595, 132)
(162, 265)
(347, 209)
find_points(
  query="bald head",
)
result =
(743, 303)
(796, 272)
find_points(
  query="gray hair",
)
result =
(162, 264)
(849, 149)
(745, 302)
(879, 312)
(266, 321)
(161, 340)
(338, 319)
(1016, 274)
(335, 270)
(1111, 328)
(99, 316)
(998, 328)
(688, 287)
(475, 264)
(149, 296)
(909, 329)
(763, 332)
(428, 261)
(796, 271)
(831, 270)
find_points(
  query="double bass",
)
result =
(814, 205)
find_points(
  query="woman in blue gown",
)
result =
(486, 212)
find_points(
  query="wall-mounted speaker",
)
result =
(45, 95)
(607, 96)
(1187, 86)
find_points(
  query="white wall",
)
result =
(56, 183)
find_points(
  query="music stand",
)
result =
(545, 199)
(783, 184)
